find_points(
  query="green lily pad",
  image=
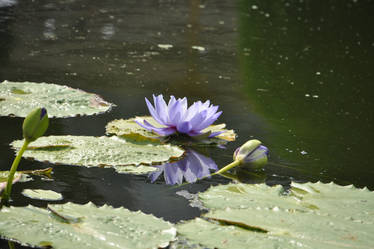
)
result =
(40, 194)
(213, 235)
(20, 98)
(310, 215)
(129, 128)
(307, 229)
(97, 151)
(84, 226)
(319, 197)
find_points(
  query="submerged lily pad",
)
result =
(19, 98)
(97, 151)
(310, 215)
(84, 226)
(129, 128)
(41, 194)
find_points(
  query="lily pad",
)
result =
(318, 197)
(18, 177)
(310, 215)
(21, 177)
(97, 151)
(129, 128)
(213, 235)
(40, 194)
(135, 170)
(84, 226)
(19, 98)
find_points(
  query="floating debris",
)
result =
(165, 46)
(199, 48)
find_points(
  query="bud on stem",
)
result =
(34, 126)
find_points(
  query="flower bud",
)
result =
(35, 124)
(252, 153)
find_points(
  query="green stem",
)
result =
(13, 169)
(227, 167)
(11, 245)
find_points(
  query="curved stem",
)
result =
(227, 167)
(13, 169)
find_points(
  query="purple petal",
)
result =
(161, 108)
(259, 152)
(164, 131)
(206, 104)
(183, 108)
(212, 110)
(192, 110)
(216, 133)
(153, 112)
(184, 127)
(209, 121)
(198, 119)
(193, 133)
(175, 113)
(171, 101)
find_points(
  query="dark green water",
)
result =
(295, 74)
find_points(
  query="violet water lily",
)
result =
(177, 117)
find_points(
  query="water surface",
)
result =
(295, 74)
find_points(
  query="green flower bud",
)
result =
(252, 153)
(35, 124)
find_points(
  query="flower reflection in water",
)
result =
(193, 167)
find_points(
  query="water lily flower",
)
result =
(193, 167)
(175, 117)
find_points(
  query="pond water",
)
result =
(296, 75)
